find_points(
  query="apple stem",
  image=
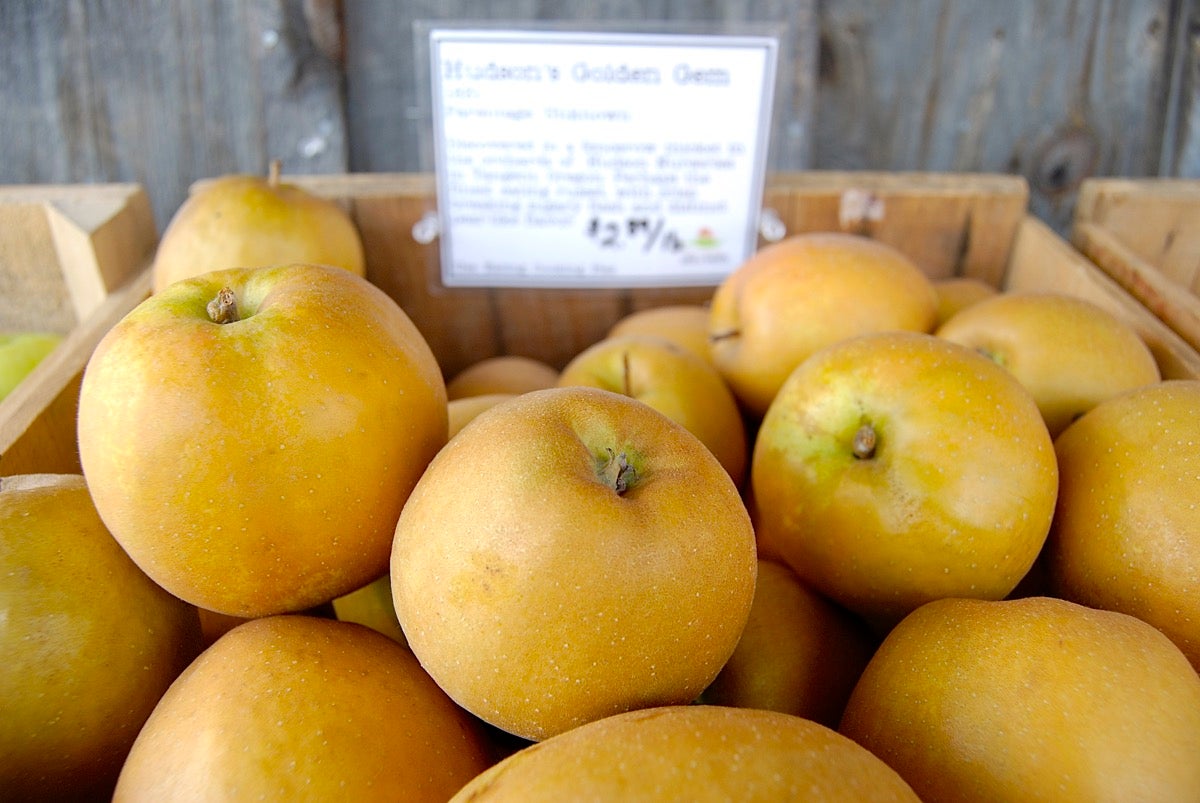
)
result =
(274, 168)
(627, 382)
(864, 442)
(223, 308)
(617, 472)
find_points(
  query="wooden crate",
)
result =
(969, 225)
(73, 260)
(1145, 234)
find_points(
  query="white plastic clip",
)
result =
(770, 226)
(427, 229)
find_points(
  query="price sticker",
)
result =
(570, 159)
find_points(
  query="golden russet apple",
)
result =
(1070, 353)
(896, 468)
(250, 435)
(956, 293)
(799, 653)
(89, 642)
(571, 554)
(1037, 699)
(793, 297)
(300, 708)
(247, 221)
(504, 373)
(1126, 532)
(697, 753)
(685, 388)
(685, 325)
(463, 411)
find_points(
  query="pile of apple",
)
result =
(844, 533)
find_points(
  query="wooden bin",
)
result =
(73, 260)
(1145, 234)
(970, 225)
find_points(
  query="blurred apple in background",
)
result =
(463, 411)
(680, 385)
(805, 292)
(504, 373)
(245, 221)
(20, 353)
(1069, 353)
(685, 325)
(956, 293)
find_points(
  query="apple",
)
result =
(301, 708)
(90, 643)
(570, 554)
(1070, 353)
(20, 353)
(1030, 699)
(799, 654)
(693, 753)
(1126, 532)
(680, 385)
(504, 373)
(371, 606)
(463, 411)
(250, 435)
(247, 221)
(897, 467)
(956, 293)
(685, 325)
(805, 292)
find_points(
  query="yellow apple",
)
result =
(956, 293)
(680, 385)
(805, 292)
(1032, 699)
(371, 606)
(1069, 353)
(302, 708)
(250, 435)
(685, 325)
(799, 654)
(695, 753)
(90, 643)
(897, 468)
(1126, 532)
(462, 411)
(504, 373)
(246, 221)
(20, 353)
(571, 554)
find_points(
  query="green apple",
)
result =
(20, 353)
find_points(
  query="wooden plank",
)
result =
(164, 93)
(1050, 90)
(1158, 220)
(1175, 304)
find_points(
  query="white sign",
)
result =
(570, 159)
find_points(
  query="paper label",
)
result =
(569, 159)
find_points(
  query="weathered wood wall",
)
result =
(164, 92)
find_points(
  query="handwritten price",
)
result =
(617, 233)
